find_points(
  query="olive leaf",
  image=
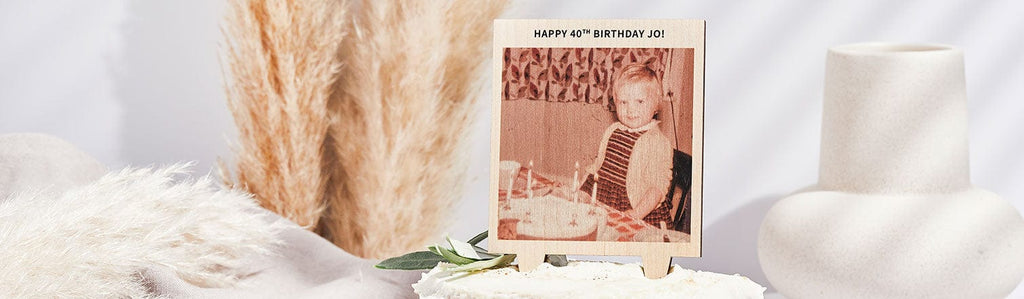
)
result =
(465, 256)
(476, 239)
(483, 253)
(500, 261)
(479, 250)
(463, 249)
(453, 257)
(420, 260)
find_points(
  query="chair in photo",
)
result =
(682, 164)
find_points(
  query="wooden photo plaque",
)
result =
(597, 139)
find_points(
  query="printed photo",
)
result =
(596, 144)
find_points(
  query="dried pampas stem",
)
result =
(400, 120)
(282, 62)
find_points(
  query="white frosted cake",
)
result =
(550, 218)
(584, 280)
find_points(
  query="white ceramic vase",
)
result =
(894, 214)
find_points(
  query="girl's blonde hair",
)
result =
(635, 73)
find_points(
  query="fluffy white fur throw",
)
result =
(92, 241)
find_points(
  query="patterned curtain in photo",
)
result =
(570, 74)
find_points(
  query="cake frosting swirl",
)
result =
(584, 280)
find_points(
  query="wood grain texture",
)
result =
(679, 34)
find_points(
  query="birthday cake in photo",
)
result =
(550, 218)
(581, 279)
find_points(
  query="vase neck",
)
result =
(894, 120)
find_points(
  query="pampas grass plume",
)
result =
(281, 58)
(401, 113)
(93, 241)
(369, 156)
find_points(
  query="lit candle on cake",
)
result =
(511, 180)
(664, 232)
(593, 193)
(529, 180)
(575, 182)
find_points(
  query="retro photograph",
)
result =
(596, 144)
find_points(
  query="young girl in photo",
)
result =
(634, 161)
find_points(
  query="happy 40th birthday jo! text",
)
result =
(599, 33)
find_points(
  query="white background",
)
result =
(138, 83)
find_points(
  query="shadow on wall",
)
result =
(730, 244)
(168, 83)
